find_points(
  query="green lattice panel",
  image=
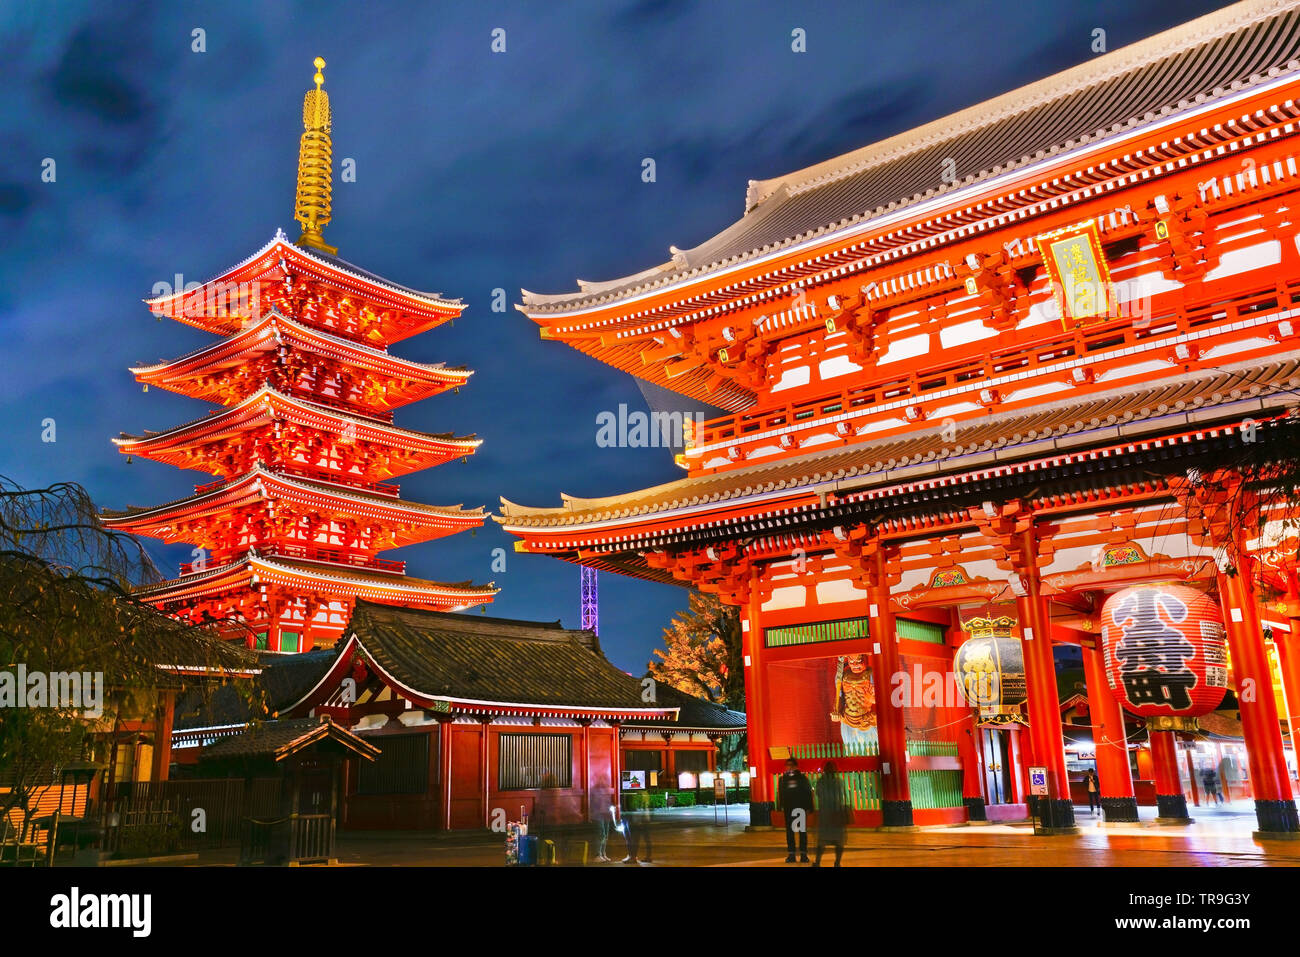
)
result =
(816, 633)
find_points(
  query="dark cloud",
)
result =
(648, 13)
(15, 200)
(93, 75)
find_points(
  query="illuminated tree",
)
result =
(702, 656)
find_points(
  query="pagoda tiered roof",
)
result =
(871, 207)
(397, 312)
(304, 442)
(226, 371)
(262, 490)
(197, 444)
(330, 580)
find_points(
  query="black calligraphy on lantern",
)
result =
(1153, 655)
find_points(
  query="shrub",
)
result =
(149, 840)
(659, 800)
(684, 798)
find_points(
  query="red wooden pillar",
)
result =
(1288, 660)
(896, 795)
(1045, 732)
(761, 797)
(1170, 800)
(586, 769)
(1021, 756)
(972, 777)
(1191, 776)
(162, 748)
(1275, 808)
(484, 723)
(617, 781)
(1110, 738)
(444, 769)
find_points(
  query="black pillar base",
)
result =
(1277, 817)
(1120, 810)
(1052, 814)
(975, 809)
(760, 813)
(896, 813)
(1171, 807)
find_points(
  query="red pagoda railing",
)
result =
(209, 487)
(336, 556)
(1021, 358)
(379, 488)
(324, 556)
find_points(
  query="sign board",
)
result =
(633, 780)
(1038, 782)
(720, 787)
(1080, 276)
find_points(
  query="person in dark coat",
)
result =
(1210, 778)
(832, 813)
(1093, 788)
(796, 800)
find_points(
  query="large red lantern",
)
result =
(1166, 658)
(990, 669)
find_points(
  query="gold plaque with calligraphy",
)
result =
(1080, 276)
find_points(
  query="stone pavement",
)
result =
(1220, 837)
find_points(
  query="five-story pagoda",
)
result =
(304, 444)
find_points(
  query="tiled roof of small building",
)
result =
(279, 739)
(283, 680)
(695, 714)
(474, 658)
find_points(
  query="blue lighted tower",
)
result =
(590, 603)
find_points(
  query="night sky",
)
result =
(475, 171)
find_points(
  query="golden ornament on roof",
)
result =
(315, 159)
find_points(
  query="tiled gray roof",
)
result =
(278, 739)
(469, 657)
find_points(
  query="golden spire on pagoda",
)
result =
(315, 159)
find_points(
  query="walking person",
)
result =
(1094, 790)
(832, 813)
(639, 819)
(604, 817)
(796, 804)
(1210, 778)
(545, 819)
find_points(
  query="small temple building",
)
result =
(475, 719)
(303, 446)
(1013, 380)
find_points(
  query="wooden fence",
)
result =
(199, 813)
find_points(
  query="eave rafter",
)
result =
(724, 571)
